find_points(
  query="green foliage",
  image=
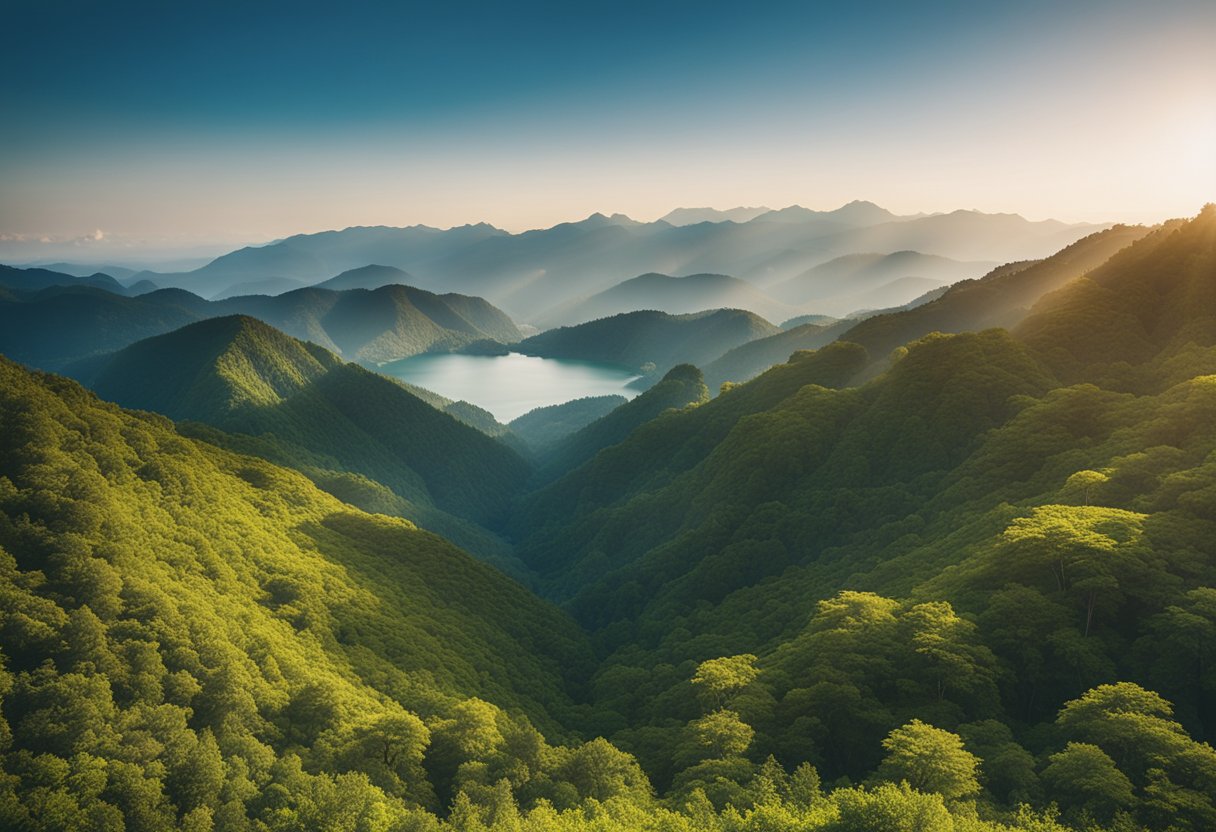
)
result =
(1085, 780)
(200, 634)
(303, 407)
(544, 426)
(721, 680)
(682, 387)
(930, 760)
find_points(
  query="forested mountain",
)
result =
(651, 341)
(533, 271)
(197, 639)
(357, 434)
(681, 387)
(673, 295)
(379, 325)
(747, 361)
(987, 545)
(544, 426)
(56, 327)
(999, 299)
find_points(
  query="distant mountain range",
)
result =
(535, 272)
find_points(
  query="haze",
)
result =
(149, 127)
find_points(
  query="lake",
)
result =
(510, 385)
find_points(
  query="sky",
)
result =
(179, 127)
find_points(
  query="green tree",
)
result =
(1085, 780)
(930, 760)
(721, 680)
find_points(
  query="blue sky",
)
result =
(244, 121)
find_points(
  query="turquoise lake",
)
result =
(510, 385)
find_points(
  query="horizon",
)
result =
(144, 255)
(203, 130)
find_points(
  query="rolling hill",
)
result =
(348, 429)
(34, 280)
(652, 342)
(542, 427)
(57, 327)
(680, 387)
(367, 277)
(747, 361)
(999, 299)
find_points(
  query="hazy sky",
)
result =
(172, 122)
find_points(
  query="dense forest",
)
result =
(905, 581)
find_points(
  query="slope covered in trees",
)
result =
(681, 387)
(994, 553)
(747, 361)
(542, 427)
(999, 299)
(193, 638)
(353, 432)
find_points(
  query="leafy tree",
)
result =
(1085, 780)
(930, 760)
(721, 680)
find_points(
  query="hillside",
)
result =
(543, 426)
(680, 387)
(348, 429)
(986, 544)
(650, 340)
(999, 299)
(380, 325)
(54, 328)
(749, 360)
(189, 630)
(673, 295)
(1153, 301)
(992, 557)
